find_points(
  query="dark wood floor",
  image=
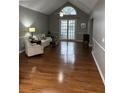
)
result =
(68, 68)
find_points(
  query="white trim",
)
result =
(96, 62)
(21, 51)
(99, 45)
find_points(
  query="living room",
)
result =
(53, 36)
(68, 66)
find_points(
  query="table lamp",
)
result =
(32, 30)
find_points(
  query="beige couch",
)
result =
(45, 41)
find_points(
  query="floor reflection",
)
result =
(33, 70)
(60, 77)
(67, 52)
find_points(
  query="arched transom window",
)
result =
(68, 10)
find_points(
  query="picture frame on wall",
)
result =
(83, 25)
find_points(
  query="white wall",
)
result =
(99, 37)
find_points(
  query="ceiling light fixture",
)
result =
(61, 14)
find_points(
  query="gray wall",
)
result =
(36, 19)
(81, 17)
(90, 30)
(99, 36)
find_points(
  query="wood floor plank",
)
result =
(67, 68)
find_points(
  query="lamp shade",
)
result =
(32, 29)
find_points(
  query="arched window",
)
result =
(68, 10)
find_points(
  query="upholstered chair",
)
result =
(32, 49)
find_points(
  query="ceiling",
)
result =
(49, 6)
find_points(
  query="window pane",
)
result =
(70, 26)
(69, 11)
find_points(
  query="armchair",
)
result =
(32, 49)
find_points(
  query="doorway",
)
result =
(67, 29)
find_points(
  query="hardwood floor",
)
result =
(67, 68)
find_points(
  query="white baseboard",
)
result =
(96, 62)
(21, 51)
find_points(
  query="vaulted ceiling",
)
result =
(49, 6)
